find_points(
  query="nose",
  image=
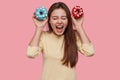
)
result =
(59, 21)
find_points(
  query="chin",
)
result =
(59, 34)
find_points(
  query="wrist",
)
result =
(78, 27)
(39, 29)
(39, 25)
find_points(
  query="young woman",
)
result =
(60, 44)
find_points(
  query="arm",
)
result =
(83, 42)
(39, 27)
(83, 36)
(33, 46)
(35, 39)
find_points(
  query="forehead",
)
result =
(58, 12)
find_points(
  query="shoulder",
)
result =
(45, 34)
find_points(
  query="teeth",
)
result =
(59, 27)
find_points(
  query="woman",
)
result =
(60, 44)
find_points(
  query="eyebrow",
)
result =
(57, 16)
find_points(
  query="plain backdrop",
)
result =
(101, 23)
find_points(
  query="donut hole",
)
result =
(77, 11)
(41, 13)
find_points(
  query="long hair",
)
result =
(70, 57)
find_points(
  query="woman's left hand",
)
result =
(77, 22)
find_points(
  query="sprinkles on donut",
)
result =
(77, 12)
(41, 13)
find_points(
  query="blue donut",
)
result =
(41, 13)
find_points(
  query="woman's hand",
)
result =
(39, 24)
(77, 22)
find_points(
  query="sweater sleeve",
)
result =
(33, 51)
(85, 48)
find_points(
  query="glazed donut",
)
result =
(77, 12)
(41, 13)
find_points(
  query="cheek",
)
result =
(52, 22)
(66, 23)
(52, 25)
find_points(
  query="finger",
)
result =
(46, 19)
(82, 16)
(34, 19)
(73, 18)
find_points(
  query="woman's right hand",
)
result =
(39, 24)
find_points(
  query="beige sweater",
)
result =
(52, 48)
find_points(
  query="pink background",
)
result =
(101, 24)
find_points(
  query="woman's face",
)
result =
(58, 21)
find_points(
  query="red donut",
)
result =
(77, 12)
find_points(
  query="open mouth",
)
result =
(59, 29)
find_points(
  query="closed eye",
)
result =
(64, 18)
(54, 17)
